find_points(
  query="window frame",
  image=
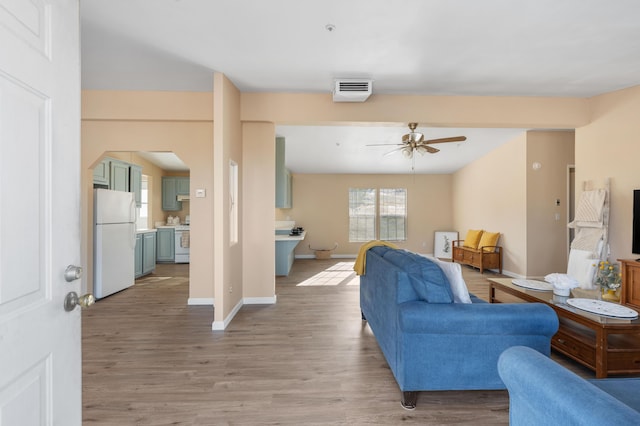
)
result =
(380, 211)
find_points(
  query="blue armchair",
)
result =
(542, 392)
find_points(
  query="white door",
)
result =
(40, 357)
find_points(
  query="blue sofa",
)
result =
(431, 343)
(542, 392)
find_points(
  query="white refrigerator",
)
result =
(114, 241)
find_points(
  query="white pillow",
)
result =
(453, 271)
(582, 267)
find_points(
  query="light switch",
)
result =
(201, 193)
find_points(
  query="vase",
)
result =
(611, 295)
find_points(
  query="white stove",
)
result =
(182, 243)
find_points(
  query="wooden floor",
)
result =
(149, 359)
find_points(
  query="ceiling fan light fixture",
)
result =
(421, 149)
(407, 152)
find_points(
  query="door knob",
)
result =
(72, 300)
(72, 273)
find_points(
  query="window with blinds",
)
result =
(377, 214)
(393, 214)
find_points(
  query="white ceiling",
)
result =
(165, 160)
(336, 149)
(436, 47)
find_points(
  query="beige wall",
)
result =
(547, 232)
(490, 194)
(501, 192)
(608, 147)
(258, 159)
(107, 127)
(227, 146)
(321, 206)
(451, 111)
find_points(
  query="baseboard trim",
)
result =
(333, 256)
(260, 300)
(221, 325)
(510, 274)
(209, 301)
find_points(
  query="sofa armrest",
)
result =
(419, 317)
(543, 392)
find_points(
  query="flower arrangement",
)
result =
(609, 276)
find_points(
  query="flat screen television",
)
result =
(635, 249)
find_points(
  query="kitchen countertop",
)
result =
(145, 231)
(287, 237)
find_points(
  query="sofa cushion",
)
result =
(453, 271)
(473, 238)
(489, 239)
(427, 279)
(623, 389)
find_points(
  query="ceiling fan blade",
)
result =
(392, 151)
(422, 149)
(451, 139)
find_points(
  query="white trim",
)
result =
(210, 301)
(260, 300)
(221, 325)
(333, 256)
(512, 274)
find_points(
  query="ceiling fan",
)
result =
(415, 142)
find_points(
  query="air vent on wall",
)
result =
(352, 90)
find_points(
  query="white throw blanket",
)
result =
(587, 239)
(590, 209)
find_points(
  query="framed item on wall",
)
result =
(443, 244)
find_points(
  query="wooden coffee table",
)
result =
(608, 346)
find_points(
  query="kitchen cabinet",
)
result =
(148, 252)
(145, 253)
(285, 246)
(169, 195)
(172, 186)
(182, 186)
(165, 245)
(283, 177)
(101, 173)
(119, 176)
(138, 256)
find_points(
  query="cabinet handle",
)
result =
(562, 341)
